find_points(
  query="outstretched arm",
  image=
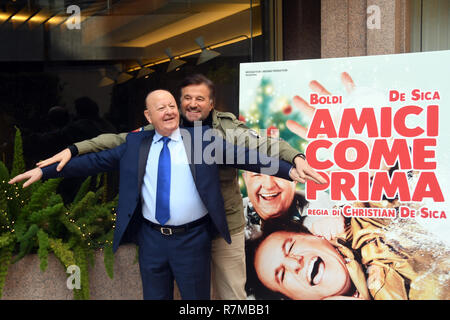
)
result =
(248, 159)
(85, 165)
(243, 136)
(99, 143)
(102, 142)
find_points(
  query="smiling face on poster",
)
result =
(270, 196)
(301, 266)
(375, 128)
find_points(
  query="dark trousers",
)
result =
(185, 257)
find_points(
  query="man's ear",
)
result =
(147, 116)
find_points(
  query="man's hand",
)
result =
(303, 172)
(63, 157)
(31, 176)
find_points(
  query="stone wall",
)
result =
(25, 281)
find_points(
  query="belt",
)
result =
(169, 230)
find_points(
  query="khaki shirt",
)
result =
(234, 131)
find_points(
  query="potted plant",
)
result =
(36, 220)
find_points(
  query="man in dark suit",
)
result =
(170, 201)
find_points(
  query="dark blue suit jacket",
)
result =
(131, 159)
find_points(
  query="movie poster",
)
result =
(378, 131)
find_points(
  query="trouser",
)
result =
(228, 268)
(185, 257)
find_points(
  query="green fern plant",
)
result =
(36, 220)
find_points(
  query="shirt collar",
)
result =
(176, 135)
(206, 122)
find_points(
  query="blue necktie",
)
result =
(163, 184)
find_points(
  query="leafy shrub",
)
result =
(35, 220)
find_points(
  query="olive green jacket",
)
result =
(235, 132)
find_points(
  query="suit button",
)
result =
(129, 215)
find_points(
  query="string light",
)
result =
(85, 235)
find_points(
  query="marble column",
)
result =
(345, 30)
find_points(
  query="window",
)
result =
(71, 70)
(430, 25)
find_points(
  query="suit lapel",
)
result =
(144, 150)
(188, 147)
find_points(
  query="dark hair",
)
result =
(196, 79)
(254, 286)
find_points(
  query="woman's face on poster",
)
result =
(270, 196)
(301, 266)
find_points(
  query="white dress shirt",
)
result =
(185, 203)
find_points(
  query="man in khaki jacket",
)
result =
(197, 104)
